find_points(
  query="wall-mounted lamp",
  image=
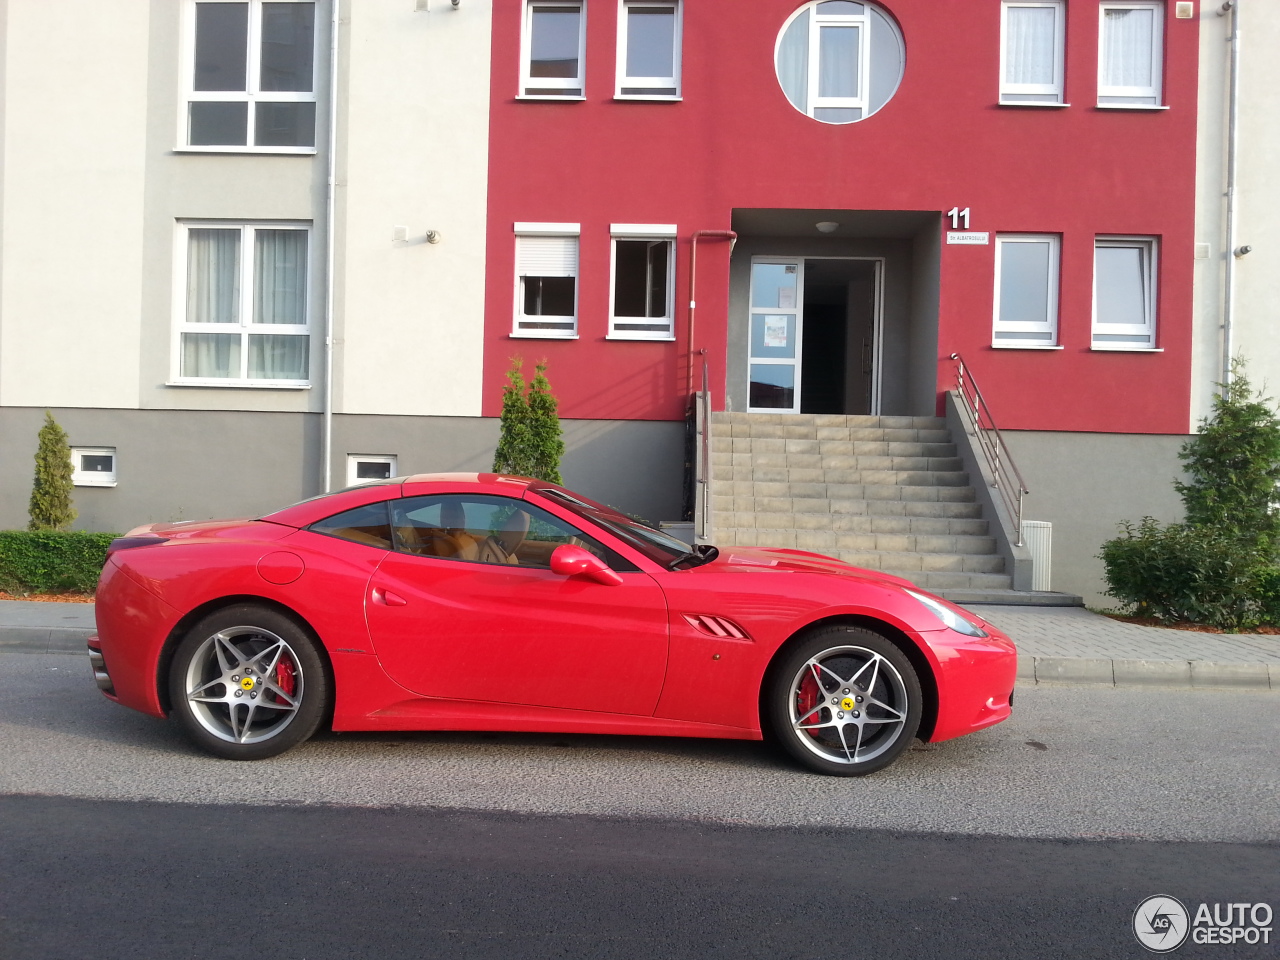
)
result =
(1184, 11)
(433, 236)
(827, 226)
(1241, 251)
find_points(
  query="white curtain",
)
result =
(1029, 35)
(276, 357)
(793, 62)
(213, 276)
(1126, 48)
(214, 355)
(838, 61)
(280, 271)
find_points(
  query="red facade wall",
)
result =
(942, 141)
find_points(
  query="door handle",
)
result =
(388, 599)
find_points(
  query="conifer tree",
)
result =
(546, 444)
(50, 507)
(513, 453)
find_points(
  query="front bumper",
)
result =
(975, 681)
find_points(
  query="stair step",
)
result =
(830, 448)
(856, 523)
(957, 581)
(827, 420)
(819, 475)
(722, 506)
(872, 559)
(721, 462)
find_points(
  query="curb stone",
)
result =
(1186, 674)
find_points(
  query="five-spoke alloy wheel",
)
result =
(845, 701)
(248, 683)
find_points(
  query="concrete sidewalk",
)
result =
(1055, 645)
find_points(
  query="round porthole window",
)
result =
(839, 61)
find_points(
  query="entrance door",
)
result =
(814, 338)
(773, 354)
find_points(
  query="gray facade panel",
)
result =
(1087, 483)
(196, 465)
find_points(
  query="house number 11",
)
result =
(957, 216)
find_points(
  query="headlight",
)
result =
(952, 620)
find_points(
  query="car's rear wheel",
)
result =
(248, 683)
(845, 702)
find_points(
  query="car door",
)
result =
(467, 608)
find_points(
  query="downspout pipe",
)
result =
(1231, 8)
(693, 291)
(330, 242)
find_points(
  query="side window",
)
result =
(643, 282)
(552, 56)
(1124, 288)
(488, 530)
(252, 76)
(1130, 54)
(1026, 290)
(546, 280)
(649, 50)
(1032, 40)
(367, 525)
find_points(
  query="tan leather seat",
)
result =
(502, 546)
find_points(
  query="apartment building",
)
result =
(254, 249)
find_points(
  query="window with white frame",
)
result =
(244, 314)
(839, 61)
(1130, 54)
(1026, 312)
(93, 466)
(546, 280)
(1032, 44)
(250, 73)
(649, 49)
(362, 467)
(553, 49)
(1124, 293)
(643, 288)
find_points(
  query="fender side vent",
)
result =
(719, 627)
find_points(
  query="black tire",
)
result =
(247, 683)
(850, 728)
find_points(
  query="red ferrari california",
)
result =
(488, 602)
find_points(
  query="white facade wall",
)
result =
(1257, 274)
(414, 134)
(74, 171)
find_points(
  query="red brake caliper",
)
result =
(286, 678)
(807, 698)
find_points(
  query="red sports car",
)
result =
(488, 602)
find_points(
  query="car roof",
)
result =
(326, 505)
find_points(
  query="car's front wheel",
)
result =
(845, 702)
(248, 683)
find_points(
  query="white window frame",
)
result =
(626, 85)
(355, 459)
(251, 95)
(1000, 328)
(816, 23)
(1016, 93)
(1110, 97)
(547, 86)
(1150, 273)
(666, 233)
(93, 478)
(246, 326)
(532, 230)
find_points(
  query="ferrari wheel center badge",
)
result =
(247, 683)
(847, 703)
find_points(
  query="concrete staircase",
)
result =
(887, 493)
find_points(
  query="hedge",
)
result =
(51, 561)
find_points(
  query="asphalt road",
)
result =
(1037, 838)
(1073, 762)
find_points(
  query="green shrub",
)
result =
(1234, 465)
(1267, 592)
(1185, 572)
(51, 561)
(50, 507)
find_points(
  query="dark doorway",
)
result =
(837, 372)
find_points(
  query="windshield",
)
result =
(657, 546)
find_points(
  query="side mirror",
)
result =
(570, 560)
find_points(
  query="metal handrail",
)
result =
(1005, 475)
(704, 457)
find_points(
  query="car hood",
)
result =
(802, 561)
